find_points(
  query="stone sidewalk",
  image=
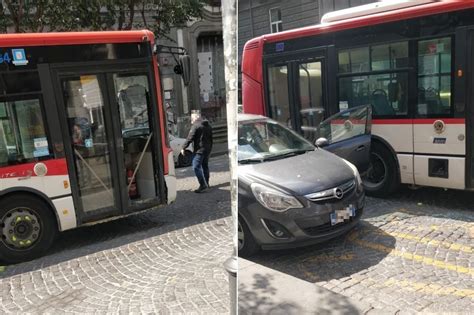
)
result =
(266, 291)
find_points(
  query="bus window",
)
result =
(310, 98)
(386, 92)
(278, 94)
(89, 139)
(23, 137)
(354, 60)
(134, 109)
(434, 77)
(389, 56)
(310, 83)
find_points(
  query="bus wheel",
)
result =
(247, 245)
(27, 226)
(382, 177)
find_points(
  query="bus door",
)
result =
(278, 92)
(309, 95)
(299, 89)
(111, 141)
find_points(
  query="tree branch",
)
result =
(143, 15)
(131, 8)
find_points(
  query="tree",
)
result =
(77, 15)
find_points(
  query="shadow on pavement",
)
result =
(335, 259)
(188, 210)
(268, 295)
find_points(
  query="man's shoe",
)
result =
(200, 189)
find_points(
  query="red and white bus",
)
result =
(412, 61)
(82, 134)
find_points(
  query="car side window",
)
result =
(346, 124)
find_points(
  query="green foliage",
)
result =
(78, 15)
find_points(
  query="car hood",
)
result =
(300, 175)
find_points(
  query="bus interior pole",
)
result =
(229, 25)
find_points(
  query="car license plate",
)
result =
(339, 216)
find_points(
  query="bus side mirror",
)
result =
(185, 64)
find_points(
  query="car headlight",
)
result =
(273, 199)
(356, 172)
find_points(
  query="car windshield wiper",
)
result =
(252, 160)
(287, 154)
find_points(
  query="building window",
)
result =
(276, 25)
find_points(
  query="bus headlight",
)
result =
(273, 199)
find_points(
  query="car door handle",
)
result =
(360, 148)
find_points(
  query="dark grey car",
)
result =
(292, 193)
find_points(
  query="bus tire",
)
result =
(28, 228)
(247, 245)
(382, 178)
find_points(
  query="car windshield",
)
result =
(263, 140)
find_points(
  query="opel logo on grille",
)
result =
(338, 193)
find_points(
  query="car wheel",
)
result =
(28, 228)
(186, 159)
(247, 245)
(382, 176)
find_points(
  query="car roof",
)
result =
(249, 117)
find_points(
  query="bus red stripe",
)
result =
(55, 168)
(417, 121)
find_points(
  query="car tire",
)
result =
(247, 245)
(186, 159)
(33, 228)
(382, 178)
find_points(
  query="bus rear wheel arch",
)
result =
(383, 176)
(28, 227)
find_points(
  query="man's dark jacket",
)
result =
(201, 137)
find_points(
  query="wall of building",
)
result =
(198, 38)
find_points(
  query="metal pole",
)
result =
(229, 23)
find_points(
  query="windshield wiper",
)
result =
(287, 154)
(252, 160)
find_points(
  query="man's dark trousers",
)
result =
(201, 168)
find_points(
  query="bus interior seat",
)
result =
(380, 104)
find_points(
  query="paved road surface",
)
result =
(412, 252)
(164, 261)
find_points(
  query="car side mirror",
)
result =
(321, 142)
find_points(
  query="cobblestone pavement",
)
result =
(412, 252)
(164, 261)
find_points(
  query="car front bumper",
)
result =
(305, 226)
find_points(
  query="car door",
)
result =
(348, 135)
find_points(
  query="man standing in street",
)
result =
(200, 136)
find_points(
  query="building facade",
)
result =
(202, 39)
